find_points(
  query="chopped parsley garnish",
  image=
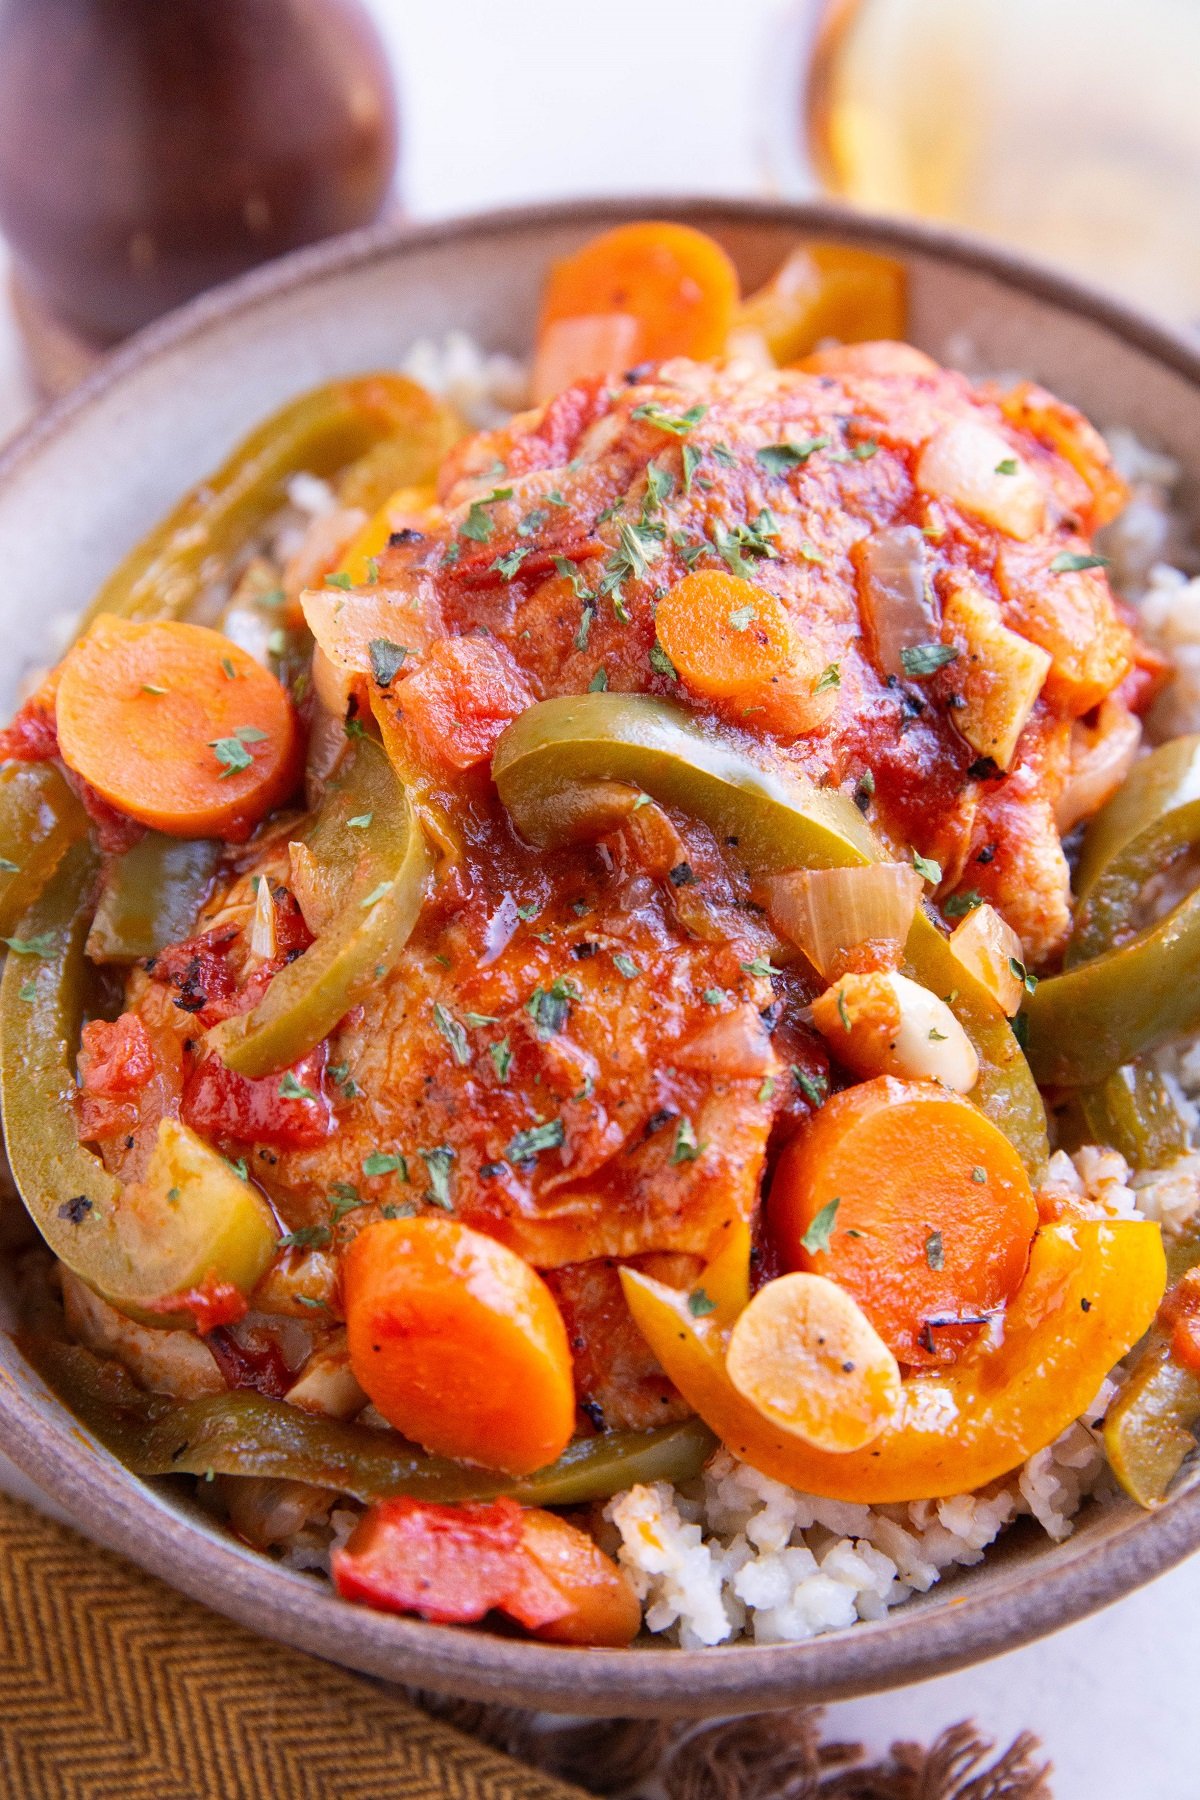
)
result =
(291, 1089)
(239, 1168)
(530, 525)
(525, 1145)
(927, 868)
(699, 1304)
(340, 580)
(529, 911)
(599, 682)
(437, 1164)
(724, 455)
(231, 752)
(926, 659)
(661, 663)
(42, 945)
(979, 1174)
(843, 1015)
(830, 677)
(474, 1021)
(501, 1055)
(778, 459)
(309, 1237)
(376, 895)
(626, 966)
(959, 905)
(815, 1088)
(508, 564)
(821, 1229)
(714, 996)
(660, 485)
(27, 990)
(454, 1034)
(1068, 562)
(678, 424)
(387, 659)
(762, 965)
(736, 544)
(691, 462)
(638, 547)
(360, 821)
(743, 617)
(228, 669)
(935, 1256)
(550, 1007)
(1021, 973)
(152, 687)
(1007, 466)
(864, 451)
(343, 1198)
(379, 1163)
(767, 1089)
(685, 1148)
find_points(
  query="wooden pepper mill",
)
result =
(151, 148)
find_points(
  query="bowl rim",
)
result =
(909, 1644)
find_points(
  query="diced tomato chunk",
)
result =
(199, 969)
(32, 735)
(115, 1059)
(451, 1564)
(213, 1304)
(289, 1110)
(454, 707)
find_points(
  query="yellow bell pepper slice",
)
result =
(1091, 1290)
(407, 506)
(827, 291)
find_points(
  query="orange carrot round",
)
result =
(177, 727)
(459, 1343)
(677, 282)
(725, 637)
(913, 1202)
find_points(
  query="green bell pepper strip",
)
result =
(1153, 815)
(1150, 1427)
(777, 822)
(377, 874)
(243, 1433)
(320, 434)
(150, 897)
(192, 1220)
(1124, 990)
(40, 819)
(1132, 1111)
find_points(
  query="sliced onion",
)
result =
(345, 624)
(987, 947)
(593, 344)
(1101, 757)
(827, 912)
(263, 943)
(313, 888)
(978, 471)
(1000, 673)
(894, 594)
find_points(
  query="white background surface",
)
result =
(537, 99)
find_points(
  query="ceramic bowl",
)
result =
(94, 472)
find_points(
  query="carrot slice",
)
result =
(677, 282)
(915, 1203)
(177, 727)
(459, 1343)
(725, 637)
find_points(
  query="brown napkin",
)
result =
(113, 1687)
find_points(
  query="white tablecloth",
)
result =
(538, 99)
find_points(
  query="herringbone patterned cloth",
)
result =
(112, 1687)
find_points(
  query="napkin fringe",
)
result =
(765, 1756)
